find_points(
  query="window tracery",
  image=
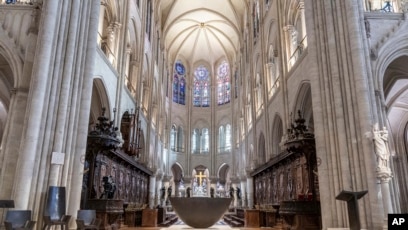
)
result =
(224, 85)
(179, 84)
(200, 141)
(201, 87)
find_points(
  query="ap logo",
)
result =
(397, 221)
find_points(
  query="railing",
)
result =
(177, 149)
(298, 51)
(106, 50)
(131, 87)
(200, 151)
(225, 149)
(393, 6)
(274, 88)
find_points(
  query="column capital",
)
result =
(288, 28)
(384, 175)
(301, 5)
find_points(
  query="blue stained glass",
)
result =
(223, 87)
(179, 84)
(180, 68)
(201, 87)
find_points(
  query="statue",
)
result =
(404, 7)
(162, 193)
(188, 191)
(380, 138)
(231, 192)
(212, 192)
(238, 193)
(169, 189)
(109, 187)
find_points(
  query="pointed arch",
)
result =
(393, 89)
(222, 173)
(303, 104)
(177, 171)
(277, 133)
(100, 99)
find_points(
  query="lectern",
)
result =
(352, 206)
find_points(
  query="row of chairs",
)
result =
(21, 220)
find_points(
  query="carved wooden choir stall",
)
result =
(113, 179)
(287, 185)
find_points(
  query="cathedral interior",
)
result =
(288, 107)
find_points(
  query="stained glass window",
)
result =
(195, 141)
(173, 134)
(228, 137)
(201, 87)
(179, 84)
(224, 138)
(200, 141)
(177, 138)
(180, 139)
(224, 85)
(205, 141)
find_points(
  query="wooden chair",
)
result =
(86, 219)
(54, 212)
(63, 222)
(19, 219)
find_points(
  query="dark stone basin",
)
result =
(200, 212)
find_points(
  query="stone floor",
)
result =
(186, 227)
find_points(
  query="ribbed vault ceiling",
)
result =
(202, 30)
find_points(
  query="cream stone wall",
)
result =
(345, 57)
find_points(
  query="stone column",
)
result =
(152, 189)
(41, 74)
(250, 192)
(100, 22)
(243, 194)
(384, 176)
(159, 184)
(127, 71)
(302, 14)
(111, 34)
(383, 171)
(291, 44)
(65, 95)
(10, 145)
(84, 109)
(208, 186)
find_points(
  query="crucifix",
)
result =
(200, 177)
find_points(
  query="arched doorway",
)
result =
(395, 88)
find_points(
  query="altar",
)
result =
(200, 212)
(200, 186)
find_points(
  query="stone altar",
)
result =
(200, 212)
